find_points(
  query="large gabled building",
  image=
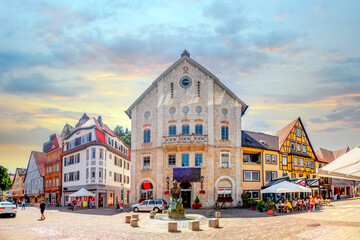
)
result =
(297, 156)
(187, 126)
(18, 187)
(96, 159)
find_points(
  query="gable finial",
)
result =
(185, 53)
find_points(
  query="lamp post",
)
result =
(202, 182)
(168, 181)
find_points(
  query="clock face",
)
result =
(185, 82)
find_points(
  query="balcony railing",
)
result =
(185, 139)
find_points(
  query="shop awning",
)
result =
(345, 167)
(285, 187)
(82, 193)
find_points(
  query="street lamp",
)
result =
(168, 182)
(202, 181)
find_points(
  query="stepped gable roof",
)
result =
(267, 141)
(40, 159)
(285, 131)
(327, 156)
(186, 56)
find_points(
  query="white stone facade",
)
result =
(219, 107)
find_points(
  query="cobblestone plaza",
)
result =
(340, 220)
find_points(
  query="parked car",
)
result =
(7, 208)
(150, 205)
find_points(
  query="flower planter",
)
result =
(166, 192)
(196, 205)
(202, 191)
(252, 207)
(270, 212)
(224, 200)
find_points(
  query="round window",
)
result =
(198, 109)
(172, 110)
(185, 82)
(185, 109)
(224, 111)
(147, 115)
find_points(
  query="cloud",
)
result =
(37, 83)
(346, 115)
(22, 136)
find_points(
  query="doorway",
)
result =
(186, 194)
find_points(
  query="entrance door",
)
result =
(186, 194)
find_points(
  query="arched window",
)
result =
(224, 133)
(224, 189)
(172, 130)
(185, 129)
(198, 129)
(146, 191)
(147, 133)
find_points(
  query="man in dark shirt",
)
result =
(42, 210)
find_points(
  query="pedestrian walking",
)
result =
(23, 205)
(42, 209)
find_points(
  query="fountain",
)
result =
(176, 208)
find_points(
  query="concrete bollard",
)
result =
(134, 222)
(214, 223)
(135, 216)
(211, 213)
(127, 218)
(218, 214)
(172, 226)
(164, 211)
(152, 214)
(194, 225)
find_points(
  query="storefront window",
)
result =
(224, 189)
(146, 191)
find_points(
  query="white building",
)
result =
(96, 159)
(186, 126)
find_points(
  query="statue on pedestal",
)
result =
(176, 209)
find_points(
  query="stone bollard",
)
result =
(218, 214)
(127, 218)
(210, 213)
(152, 214)
(194, 225)
(214, 223)
(164, 211)
(135, 216)
(134, 222)
(172, 226)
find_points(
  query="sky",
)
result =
(59, 59)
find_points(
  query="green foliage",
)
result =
(251, 202)
(197, 200)
(5, 180)
(270, 205)
(260, 204)
(125, 135)
(245, 196)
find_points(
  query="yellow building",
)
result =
(260, 161)
(297, 155)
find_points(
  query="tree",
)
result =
(124, 135)
(5, 180)
(119, 130)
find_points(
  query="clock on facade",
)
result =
(185, 82)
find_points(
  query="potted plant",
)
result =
(251, 203)
(197, 203)
(166, 192)
(260, 205)
(245, 197)
(270, 206)
(202, 191)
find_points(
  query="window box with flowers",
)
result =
(227, 199)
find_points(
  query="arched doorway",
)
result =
(186, 194)
(146, 191)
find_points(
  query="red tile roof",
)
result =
(285, 131)
(40, 159)
(327, 156)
